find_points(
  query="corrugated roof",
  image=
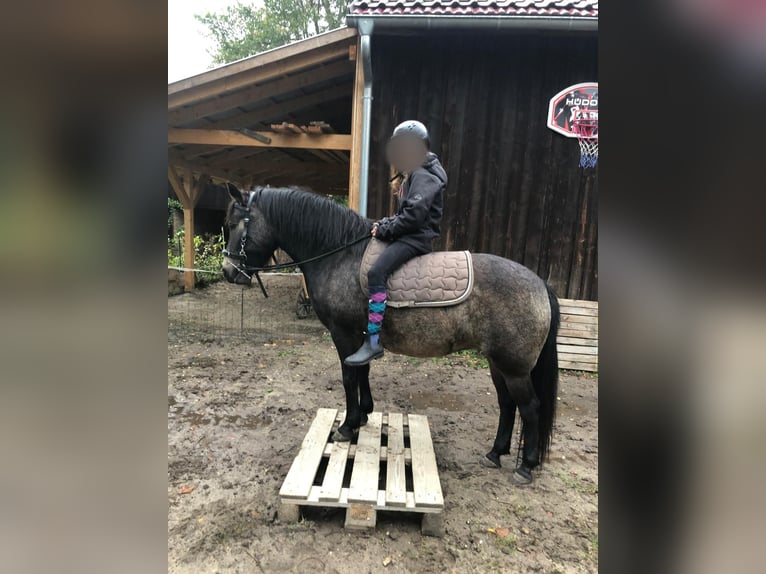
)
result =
(547, 8)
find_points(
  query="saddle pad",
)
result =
(438, 279)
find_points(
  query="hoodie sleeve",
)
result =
(415, 207)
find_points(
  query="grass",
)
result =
(578, 373)
(469, 358)
(302, 524)
(506, 544)
(581, 485)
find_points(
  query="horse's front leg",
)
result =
(351, 380)
(353, 413)
(365, 396)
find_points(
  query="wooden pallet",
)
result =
(390, 466)
(578, 335)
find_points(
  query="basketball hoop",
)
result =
(585, 128)
(573, 113)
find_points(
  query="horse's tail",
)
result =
(545, 378)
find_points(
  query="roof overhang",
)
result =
(220, 122)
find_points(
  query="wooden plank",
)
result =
(582, 333)
(579, 303)
(578, 350)
(581, 341)
(364, 476)
(566, 317)
(580, 328)
(574, 365)
(232, 138)
(574, 360)
(383, 452)
(425, 475)
(313, 500)
(396, 489)
(578, 310)
(300, 477)
(336, 468)
(580, 357)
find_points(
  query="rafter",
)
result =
(257, 93)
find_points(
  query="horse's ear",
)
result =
(235, 194)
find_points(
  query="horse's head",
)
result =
(251, 240)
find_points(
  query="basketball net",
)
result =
(585, 126)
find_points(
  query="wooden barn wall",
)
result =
(515, 188)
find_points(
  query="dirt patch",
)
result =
(240, 402)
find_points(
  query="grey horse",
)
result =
(511, 317)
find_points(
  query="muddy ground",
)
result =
(245, 378)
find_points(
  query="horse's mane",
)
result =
(319, 220)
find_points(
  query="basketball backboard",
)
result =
(578, 102)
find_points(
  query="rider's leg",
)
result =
(393, 257)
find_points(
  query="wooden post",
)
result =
(188, 193)
(355, 162)
(189, 248)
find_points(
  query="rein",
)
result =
(242, 255)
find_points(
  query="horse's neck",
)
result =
(297, 242)
(300, 244)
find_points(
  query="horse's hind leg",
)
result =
(505, 425)
(529, 405)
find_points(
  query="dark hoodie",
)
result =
(419, 209)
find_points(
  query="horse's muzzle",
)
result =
(233, 274)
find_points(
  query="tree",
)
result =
(245, 29)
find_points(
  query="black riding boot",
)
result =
(371, 348)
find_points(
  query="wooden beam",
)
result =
(189, 248)
(254, 76)
(232, 138)
(257, 93)
(355, 162)
(177, 185)
(199, 186)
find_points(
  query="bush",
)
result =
(208, 256)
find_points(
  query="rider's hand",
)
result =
(374, 229)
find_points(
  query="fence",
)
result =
(223, 310)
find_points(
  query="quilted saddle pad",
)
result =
(438, 279)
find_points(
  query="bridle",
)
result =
(242, 255)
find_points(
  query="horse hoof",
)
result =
(363, 421)
(521, 476)
(489, 461)
(338, 436)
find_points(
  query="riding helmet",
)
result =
(413, 128)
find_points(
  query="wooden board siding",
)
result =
(515, 188)
(577, 341)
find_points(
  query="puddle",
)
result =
(437, 400)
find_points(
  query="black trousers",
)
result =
(393, 257)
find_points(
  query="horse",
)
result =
(511, 317)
